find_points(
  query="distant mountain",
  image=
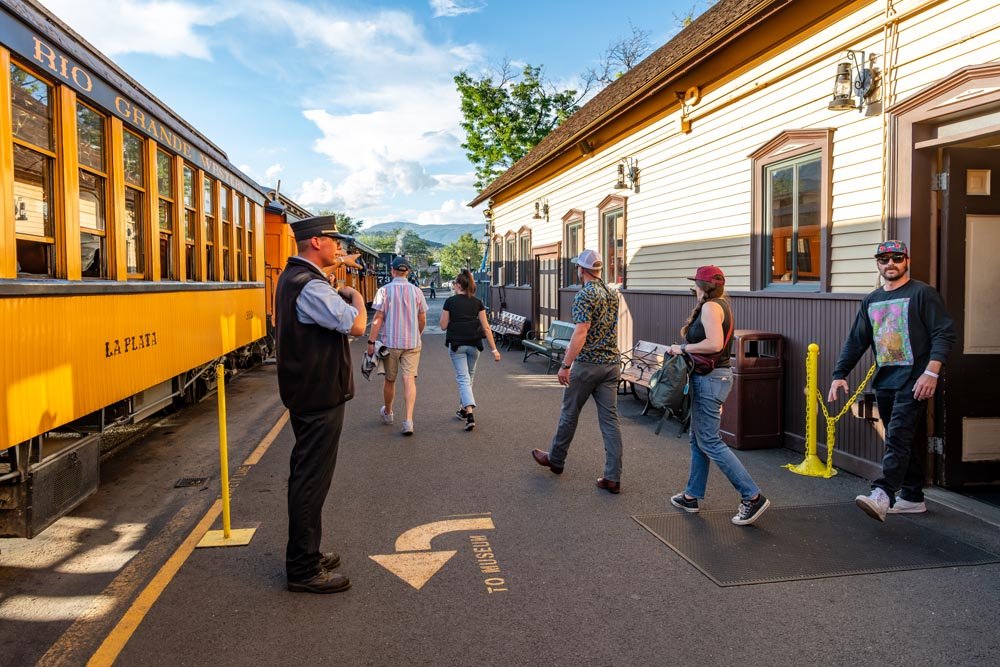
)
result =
(443, 234)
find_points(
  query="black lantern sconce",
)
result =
(854, 79)
(541, 210)
(628, 170)
(488, 214)
(20, 210)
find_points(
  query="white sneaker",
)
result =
(903, 506)
(407, 427)
(386, 416)
(874, 505)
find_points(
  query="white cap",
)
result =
(588, 259)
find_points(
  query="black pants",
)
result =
(903, 462)
(314, 456)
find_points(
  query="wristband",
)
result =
(932, 374)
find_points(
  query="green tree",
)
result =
(506, 113)
(621, 55)
(345, 223)
(381, 241)
(454, 257)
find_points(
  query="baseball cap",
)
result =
(889, 247)
(320, 225)
(710, 274)
(588, 259)
(400, 264)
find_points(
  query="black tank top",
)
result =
(696, 332)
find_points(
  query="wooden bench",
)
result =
(551, 344)
(638, 365)
(507, 327)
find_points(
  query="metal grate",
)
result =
(807, 542)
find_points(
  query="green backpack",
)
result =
(669, 390)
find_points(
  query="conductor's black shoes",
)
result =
(329, 561)
(324, 582)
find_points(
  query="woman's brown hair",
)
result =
(466, 282)
(711, 291)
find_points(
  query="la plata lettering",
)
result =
(113, 348)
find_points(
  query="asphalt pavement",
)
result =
(463, 551)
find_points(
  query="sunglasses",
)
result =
(897, 258)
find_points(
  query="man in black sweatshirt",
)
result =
(906, 325)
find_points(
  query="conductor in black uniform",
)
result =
(315, 380)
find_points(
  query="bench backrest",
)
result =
(559, 330)
(649, 354)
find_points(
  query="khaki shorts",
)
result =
(401, 360)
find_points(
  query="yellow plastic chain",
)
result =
(831, 422)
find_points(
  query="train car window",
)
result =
(227, 231)
(32, 108)
(251, 215)
(238, 207)
(165, 190)
(190, 220)
(93, 192)
(34, 160)
(135, 220)
(209, 207)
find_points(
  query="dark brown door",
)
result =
(969, 276)
(546, 289)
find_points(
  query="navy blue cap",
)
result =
(400, 264)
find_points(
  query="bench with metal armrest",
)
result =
(638, 365)
(551, 344)
(507, 327)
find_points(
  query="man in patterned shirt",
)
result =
(590, 368)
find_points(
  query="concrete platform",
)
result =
(514, 565)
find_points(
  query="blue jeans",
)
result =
(708, 393)
(464, 359)
(601, 382)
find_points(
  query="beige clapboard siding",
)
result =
(694, 202)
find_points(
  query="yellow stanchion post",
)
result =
(811, 465)
(225, 537)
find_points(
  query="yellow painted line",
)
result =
(113, 644)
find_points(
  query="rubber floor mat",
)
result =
(807, 542)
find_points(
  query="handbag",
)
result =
(703, 364)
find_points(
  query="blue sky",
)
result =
(351, 104)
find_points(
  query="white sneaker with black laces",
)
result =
(750, 510)
(904, 506)
(874, 505)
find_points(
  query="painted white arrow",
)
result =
(416, 568)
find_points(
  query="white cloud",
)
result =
(162, 28)
(465, 181)
(318, 191)
(456, 7)
(271, 173)
(452, 211)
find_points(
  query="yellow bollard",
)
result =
(225, 537)
(811, 465)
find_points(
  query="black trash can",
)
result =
(752, 415)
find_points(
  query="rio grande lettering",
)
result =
(113, 348)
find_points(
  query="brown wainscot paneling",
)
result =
(518, 299)
(802, 319)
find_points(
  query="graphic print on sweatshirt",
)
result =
(891, 332)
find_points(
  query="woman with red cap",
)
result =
(708, 332)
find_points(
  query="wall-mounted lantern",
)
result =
(853, 79)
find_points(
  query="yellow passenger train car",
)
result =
(131, 261)
(280, 213)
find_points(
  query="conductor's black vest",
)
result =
(314, 363)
